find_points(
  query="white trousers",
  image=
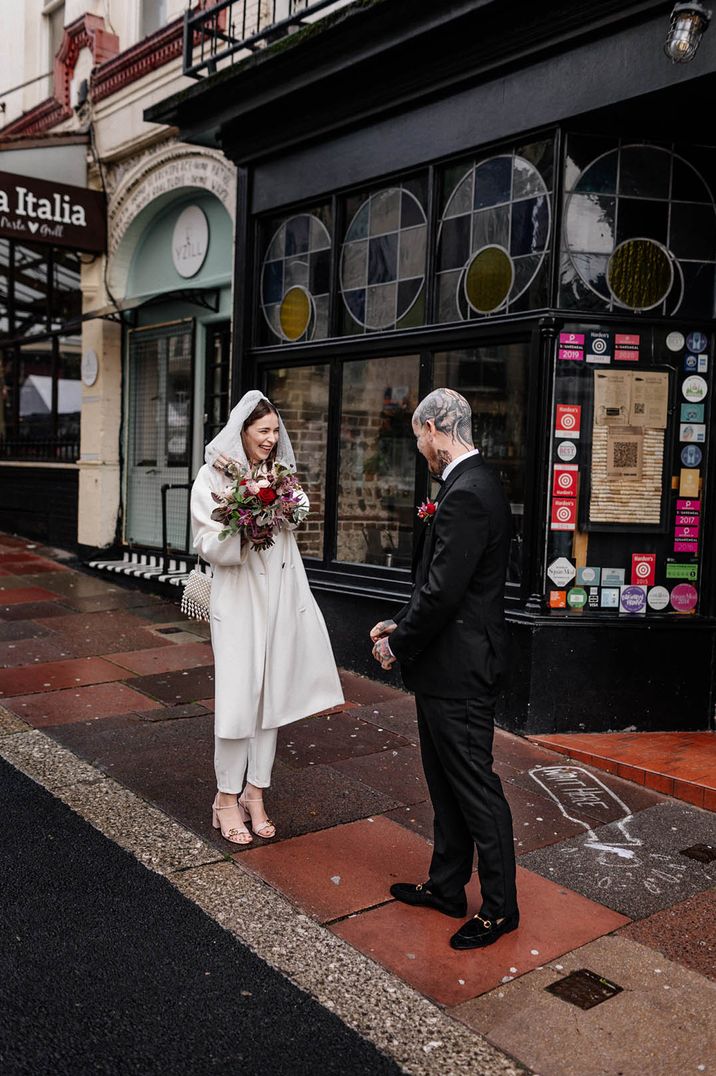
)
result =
(232, 757)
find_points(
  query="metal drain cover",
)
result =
(168, 631)
(584, 988)
(702, 853)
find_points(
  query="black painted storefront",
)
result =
(375, 99)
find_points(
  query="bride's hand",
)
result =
(222, 462)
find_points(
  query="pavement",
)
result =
(106, 702)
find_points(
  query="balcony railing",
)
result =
(231, 29)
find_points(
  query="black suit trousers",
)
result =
(470, 807)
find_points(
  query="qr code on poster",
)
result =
(639, 407)
(625, 454)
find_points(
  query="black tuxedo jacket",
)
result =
(451, 639)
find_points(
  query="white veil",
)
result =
(228, 441)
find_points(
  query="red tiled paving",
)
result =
(54, 675)
(27, 594)
(337, 871)
(28, 652)
(89, 634)
(164, 658)
(414, 942)
(685, 933)
(83, 704)
(35, 566)
(362, 690)
(679, 764)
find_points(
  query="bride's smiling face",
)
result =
(261, 437)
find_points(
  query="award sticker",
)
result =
(643, 568)
(692, 431)
(576, 598)
(694, 389)
(696, 341)
(632, 600)
(675, 341)
(658, 598)
(571, 346)
(684, 597)
(692, 412)
(682, 571)
(588, 577)
(691, 456)
(691, 363)
(702, 364)
(564, 513)
(561, 571)
(567, 421)
(558, 599)
(610, 598)
(613, 577)
(566, 450)
(626, 347)
(599, 347)
(565, 479)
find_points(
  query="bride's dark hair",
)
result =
(263, 407)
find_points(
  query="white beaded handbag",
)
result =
(196, 598)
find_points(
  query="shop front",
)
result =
(551, 254)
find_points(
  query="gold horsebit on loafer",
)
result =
(487, 923)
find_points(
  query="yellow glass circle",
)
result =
(640, 274)
(295, 313)
(488, 279)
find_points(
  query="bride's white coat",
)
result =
(272, 654)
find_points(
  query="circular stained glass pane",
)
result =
(488, 279)
(295, 278)
(640, 274)
(382, 269)
(499, 210)
(295, 313)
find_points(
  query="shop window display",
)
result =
(639, 229)
(629, 448)
(377, 462)
(301, 395)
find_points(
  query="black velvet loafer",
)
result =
(479, 932)
(422, 897)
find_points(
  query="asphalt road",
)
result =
(106, 968)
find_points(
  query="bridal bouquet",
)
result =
(258, 503)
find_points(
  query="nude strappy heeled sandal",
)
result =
(265, 829)
(234, 834)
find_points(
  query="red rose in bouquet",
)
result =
(267, 495)
(259, 503)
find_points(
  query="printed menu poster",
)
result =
(612, 397)
(649, 399)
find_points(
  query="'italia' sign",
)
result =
(35, 211)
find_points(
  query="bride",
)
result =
(272, 654)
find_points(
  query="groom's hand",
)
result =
(381, 629)
(383, 654)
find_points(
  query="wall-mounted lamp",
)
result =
(688, 23)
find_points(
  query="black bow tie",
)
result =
(438, 480)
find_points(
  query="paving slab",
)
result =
(41, 611)
(395, 715)
(337, 736)
(335, 872)
(398, 773)
(417, 817)
(536, 820)
(54, 675)
(63, 707)
(36, 566)
(661, 1024)
(162, 659)
(90, 634)
(414, 942)
(24, 629)
(686, 933)
(584, 791)
(29, 652)
(636, 869)
(184, 685)
(78, 585)
(362, 690)
(26, 594)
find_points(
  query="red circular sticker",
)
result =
(684, 598)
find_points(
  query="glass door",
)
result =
(159, 422)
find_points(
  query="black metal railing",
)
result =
(45, 450)
(230, 28)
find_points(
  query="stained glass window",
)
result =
(639, 229)
(296, 279)
(494, 234)
(382, 261)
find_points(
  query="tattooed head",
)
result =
(451, 415)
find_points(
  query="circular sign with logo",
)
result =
(576, 598)
(561, 571)
(566, 450)
(190, 241)
(694, 388)
(658, 598)
(675, 341)
(684, 598)
(633, 599)
(589, 575)
(90, 367)
(691, 456)
(696, 341)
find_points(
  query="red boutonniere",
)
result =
(427, 510)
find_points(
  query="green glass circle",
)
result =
(488, 279)
(295, 313)
(640, 274)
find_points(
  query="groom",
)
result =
(450, 640)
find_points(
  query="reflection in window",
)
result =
(4, 287)
(66, 288)
(301, 395)
(178, 399)
(494, 234)
(69, 396)
(493, 379)
(376, 478)
(31, 290)
(639, 229)
(35, 392)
